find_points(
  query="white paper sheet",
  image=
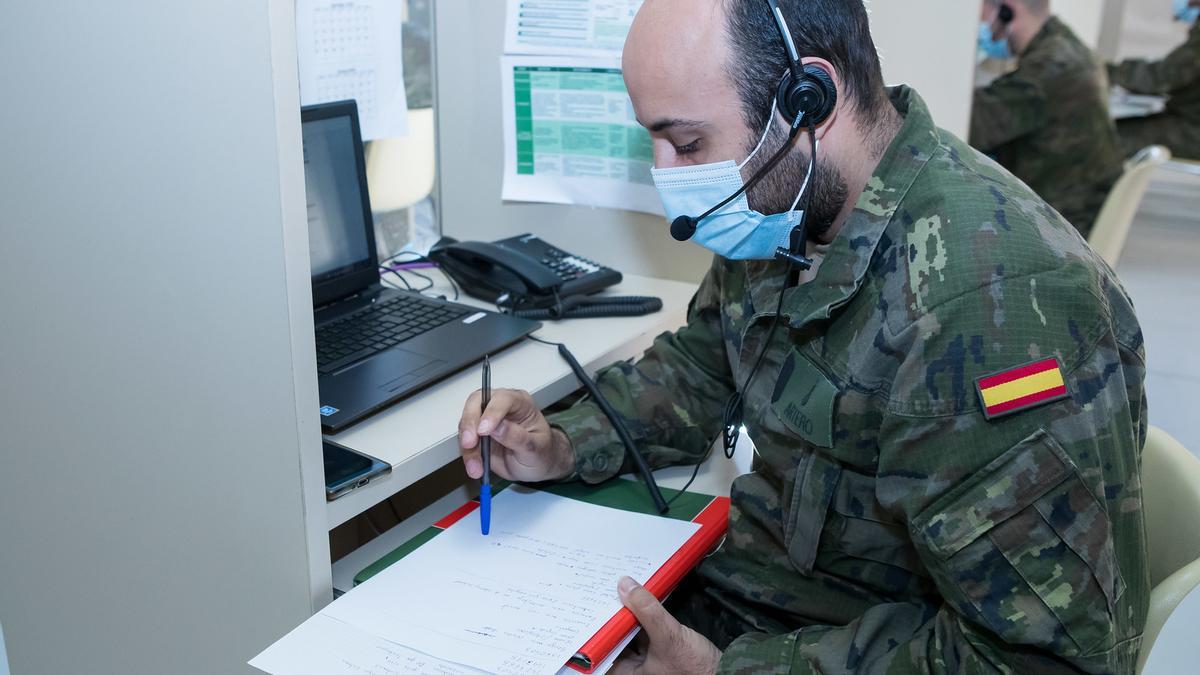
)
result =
(352, 49)
(521, 600)
(326, 646)
(571, 136)
(568, 27)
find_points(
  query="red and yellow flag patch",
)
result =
(1022, 388)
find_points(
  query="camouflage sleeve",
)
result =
(1180, 69)
(1029, 525)
(1009, 108)
(671, 400)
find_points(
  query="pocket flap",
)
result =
(1012, 482)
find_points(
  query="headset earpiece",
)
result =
(814, 94)
(1006, 14)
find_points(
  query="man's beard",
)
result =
(776, 192)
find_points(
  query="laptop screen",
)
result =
(337, 231)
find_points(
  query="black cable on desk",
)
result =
(618, 424)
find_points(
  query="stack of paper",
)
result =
(521, 600)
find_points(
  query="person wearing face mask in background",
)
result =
(1177, 77)
(947, 408)
(1046, 121)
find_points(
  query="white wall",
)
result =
(930, 45)
(469, 43)
(157, 385)
(1149, 30)
(1085, 17)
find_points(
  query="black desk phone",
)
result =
(528, 277)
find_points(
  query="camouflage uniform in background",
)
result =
(887, 525)
(1047, 122)
(1178, 77)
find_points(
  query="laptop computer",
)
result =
(375, 345)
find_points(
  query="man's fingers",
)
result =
(504, 403)
(468, 439)
(513, 436)
(656, 621)
(469, 422)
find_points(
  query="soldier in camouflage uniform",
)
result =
(1178, 77)
(896, 519)
(1047, 121)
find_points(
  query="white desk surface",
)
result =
(419, 435)
(1176, 650)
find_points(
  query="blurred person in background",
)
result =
(1046, 121)
(1176, 77)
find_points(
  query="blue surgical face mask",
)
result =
(736, 232)
(990, 46)
(1185, 13)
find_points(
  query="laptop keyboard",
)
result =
(381, 326)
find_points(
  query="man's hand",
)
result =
(524, 446)
(664, 645)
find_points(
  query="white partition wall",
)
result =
(159, 447)
(1085, 17)
(929, 44)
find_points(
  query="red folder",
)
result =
(714, 520)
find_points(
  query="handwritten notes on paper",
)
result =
(522, 600)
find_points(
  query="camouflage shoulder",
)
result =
(985, 277)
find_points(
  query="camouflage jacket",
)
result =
(1177, 76)
(889, 526)
(1047, 122)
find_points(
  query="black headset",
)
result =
(806, 90)
(806, 96)
(1006, 14)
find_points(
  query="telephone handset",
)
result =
(528, 277)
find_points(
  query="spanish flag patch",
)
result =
(1021, 388)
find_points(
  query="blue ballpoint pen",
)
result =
(485, 451)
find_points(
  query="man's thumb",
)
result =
(650, 613)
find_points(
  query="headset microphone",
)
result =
(684, 228)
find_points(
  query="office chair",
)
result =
(1112, 226)
(1171, 499)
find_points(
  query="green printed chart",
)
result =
(577, 122)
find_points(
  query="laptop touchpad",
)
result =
(404, 368)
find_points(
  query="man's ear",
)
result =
(839, 93)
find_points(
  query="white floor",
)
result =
(1161, 271)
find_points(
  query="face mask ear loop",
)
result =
(766, 132)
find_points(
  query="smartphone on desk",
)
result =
(347, 469)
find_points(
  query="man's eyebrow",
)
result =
(673, 123)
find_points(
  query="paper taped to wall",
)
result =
(571, 136)
(568, 27)
(352, 49)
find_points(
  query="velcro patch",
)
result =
(804, 400)
(1022, 388)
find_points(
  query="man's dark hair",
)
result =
(835, 30)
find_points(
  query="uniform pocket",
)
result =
(1025, 549)
(815, 484)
